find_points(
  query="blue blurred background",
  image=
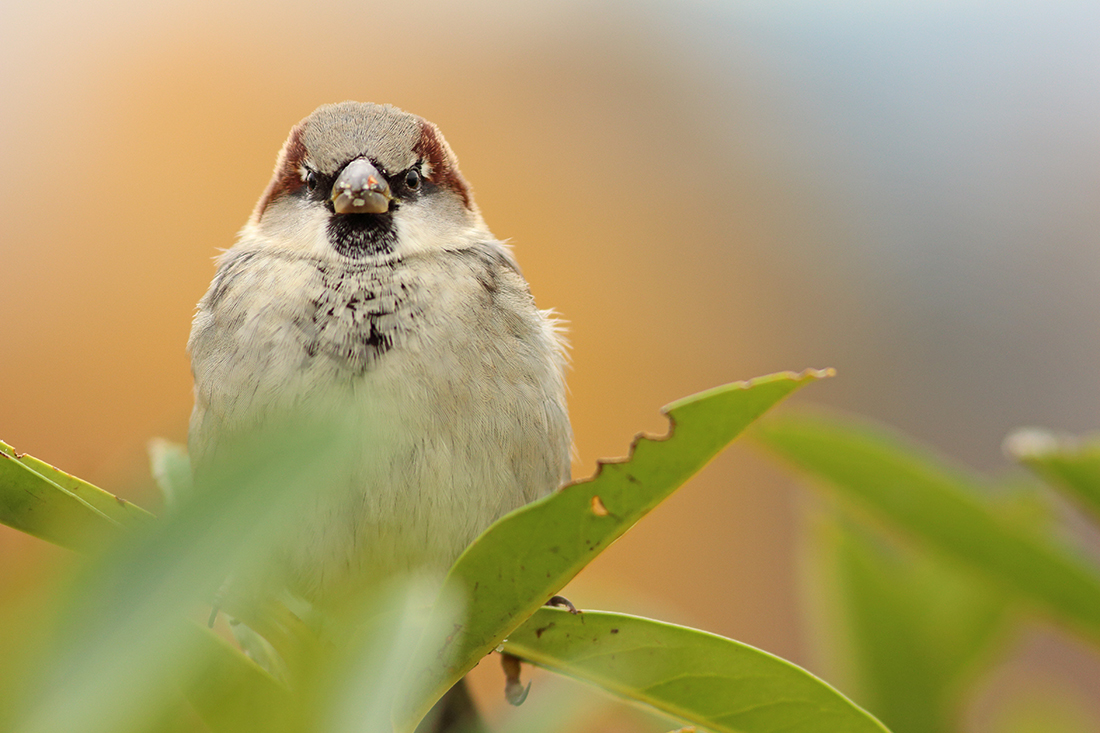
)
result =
(707, 191)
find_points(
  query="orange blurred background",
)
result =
(706, 191)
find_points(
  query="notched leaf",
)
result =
(530, 554)
(671, 409)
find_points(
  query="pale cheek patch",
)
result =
(422, 228)
(296, 226)
(416, 233)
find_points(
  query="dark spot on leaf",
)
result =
(450, 639)
(538, 632)
(614, 631)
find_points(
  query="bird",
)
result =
(367, 290)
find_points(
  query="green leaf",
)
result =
(701, 678)
(171, 469)
(343, 685)
(911, 627)
(529, 555)
(231, 692)
(120, 649)
(32, 503)
(111, 506)
(943, 508)
(1070, 464)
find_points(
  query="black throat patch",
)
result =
(362, 235)
(356, 314)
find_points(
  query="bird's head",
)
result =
(365, 181)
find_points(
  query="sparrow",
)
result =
(367, 291)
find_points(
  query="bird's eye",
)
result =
(311, 181)
(412, 179)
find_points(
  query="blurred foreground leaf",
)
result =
(943, 508)
(908, 627)
(171, 469)
(529, 555)
(701, 678)
(48, 503)
(232, 693)
(121, 649)
(1069, 464)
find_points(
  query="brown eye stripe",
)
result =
(441, 161)
(287, 178)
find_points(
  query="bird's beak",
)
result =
(361, 189)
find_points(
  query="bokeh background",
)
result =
(708, 191)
